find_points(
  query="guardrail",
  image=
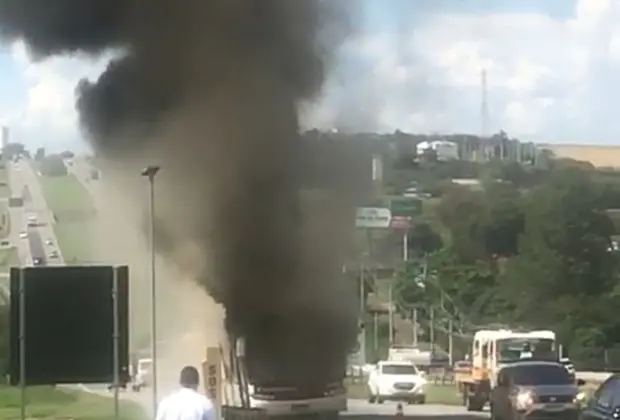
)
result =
(441, 376)
(594, 377)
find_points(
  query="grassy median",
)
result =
(75, 217)
(46, 402)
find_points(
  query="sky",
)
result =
(552, 66)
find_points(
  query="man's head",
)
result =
(189, 377)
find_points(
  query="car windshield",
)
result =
(398, 370)
(511, 350)
(539, 375)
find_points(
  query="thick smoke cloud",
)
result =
(211, 88)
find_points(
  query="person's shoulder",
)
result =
(205, 401)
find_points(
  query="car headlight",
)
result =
(580, 398)
(524, 400)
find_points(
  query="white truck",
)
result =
(396, 381)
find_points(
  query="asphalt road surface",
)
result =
(356, 408)
(23, 178)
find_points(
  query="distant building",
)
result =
(5, 136)
(445, 150)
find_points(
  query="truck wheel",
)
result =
(371, 397)
(475, 403)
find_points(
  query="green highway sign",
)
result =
(405, 206)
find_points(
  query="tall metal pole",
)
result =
(450, 344)
(22, 342)
(375, 318)
(414, 322)
(153, 291)
(115, 340)
(362, 334)
(391, 314)
(150, 173)
(432, 329)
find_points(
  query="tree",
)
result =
(423, 240)
(67, 154)
(53, 165)
(504, 219)
(461, 212)
(564, 274)
(11, 150)
(39, 155)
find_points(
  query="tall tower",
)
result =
(484, 105)
(484, 117)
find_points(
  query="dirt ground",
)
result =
(598, 155)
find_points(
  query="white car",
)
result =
(142, 377)
(396, 381)
(23, 235)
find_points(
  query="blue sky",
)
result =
(553, 69)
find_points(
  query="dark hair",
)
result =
(189, 376)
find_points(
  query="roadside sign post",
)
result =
(368, 218)
(373, 217)
(402, 209)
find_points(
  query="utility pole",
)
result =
(414, 321)
(375, 317)
(450, 343)
(362, 333)
(432, 329)
(391, 314)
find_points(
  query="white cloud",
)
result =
(48, 114)
(548, 79)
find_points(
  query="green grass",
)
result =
(9, 257)
(435, 393)
(5, 219)
(73, 207)
(65, 194)
(5, 190)
(45, 402)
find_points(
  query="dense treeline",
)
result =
(528, 247)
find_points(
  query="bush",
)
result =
(53, 166)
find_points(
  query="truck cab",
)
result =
(492, 349)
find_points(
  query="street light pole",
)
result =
(150, 172)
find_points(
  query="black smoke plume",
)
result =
(211, 88)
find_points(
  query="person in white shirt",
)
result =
(187, 403)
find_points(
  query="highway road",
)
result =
(355, 407)
(41, 240)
